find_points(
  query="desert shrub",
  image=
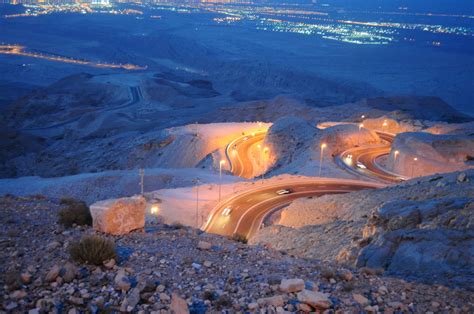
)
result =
(328, 273)
(11, 278)
(239, 238)
(224, 301)
(177, 225)
(76, 212)
(347, 286)
(91, 249)
(67, 200)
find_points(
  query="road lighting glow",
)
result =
(395, 154)
(154, 209)
(323, 146)
(221, 163)
(360, 128)
(362, 116)
(415, 159)
(265, 158)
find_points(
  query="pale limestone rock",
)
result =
(203, 245)
(52, 274)
(275, 301)
(119, 216)
(292, 285)
(178, 305)
(359, 298)
(315, 299)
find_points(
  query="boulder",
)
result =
(178, 305)
(119, 216)
(292, 285)
(275, 301)
(315, 299)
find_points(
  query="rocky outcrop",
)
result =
(425, 235)
(433, 239)
(420, 154)
(119, 216)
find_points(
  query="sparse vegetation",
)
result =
(75, 212)
(224, 301)
(92, 249)
(177, 225)
(239, 238)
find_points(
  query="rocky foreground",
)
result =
(176, 269)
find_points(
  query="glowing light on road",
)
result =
(221, 163)
(395, 155)
(323, 146)
(154, 209)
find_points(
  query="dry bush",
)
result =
(92, 249)
(76, 212)
(239, 238)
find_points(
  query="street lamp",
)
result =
(395, 155)
(323, 146)
(265, 151)
(360, 128)
(197, 201)
(384, 124)
(221, 163)
(413, 166)
(362, 116)
(141, 172)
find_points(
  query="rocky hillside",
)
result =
(421, 229)
(173, 268)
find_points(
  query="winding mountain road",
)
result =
(244, 213)
(135, 97)
(249, 209)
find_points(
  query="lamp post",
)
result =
(360, 128)
(395, 155)
(323, 146)
(384, 125)
(197, 201)
(141, 172)
(362, 116)
(265, 152)
(221, 163)
(413, 166)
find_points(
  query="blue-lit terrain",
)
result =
(235, 156)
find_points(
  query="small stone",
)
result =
(203, 245)
(53, 274)
(51, 246)
(292, 285)
(435, 304)
(359, 298)
(178, 305)
(18, 294)
(275, 301)
(69, 272)
(160, 288)
(110, 263)
(304, 307)
(207, 264)
(462, 177)
(10, 306)
(315, 299)
(122, 281)
(252, 306)
(164, 297)
(383, 290)
(34, 311)
(25, 278)
(346, 275)
(76, 300)
(196, 266)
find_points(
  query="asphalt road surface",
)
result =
(238, 154)
(249, 209)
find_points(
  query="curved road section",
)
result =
(237, 153)
(244, 213)
(363, 160)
